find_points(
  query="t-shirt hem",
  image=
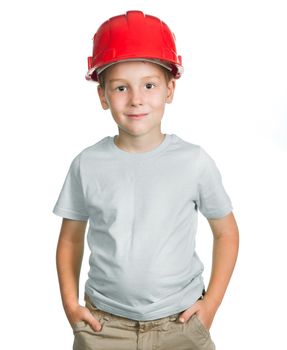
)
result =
(151, 315)
(69, 214)
(218, 214)
(137, 317)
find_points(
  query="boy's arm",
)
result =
(225, 251)
(69, 257)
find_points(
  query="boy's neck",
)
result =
(138, 144)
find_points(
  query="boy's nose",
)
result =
(136, 99)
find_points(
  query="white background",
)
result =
(231, 100)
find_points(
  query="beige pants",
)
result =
(120, 333)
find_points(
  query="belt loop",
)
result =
(173, 317)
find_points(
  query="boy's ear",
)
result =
(170, 90)
(101, 93)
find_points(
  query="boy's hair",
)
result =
(167, 74)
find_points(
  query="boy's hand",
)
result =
(204, 311)
(81, 313)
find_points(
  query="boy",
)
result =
(141, 192)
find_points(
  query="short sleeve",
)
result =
(213, 201)
(71, 201)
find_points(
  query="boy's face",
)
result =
(136, 94)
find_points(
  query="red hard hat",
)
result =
(133, 36)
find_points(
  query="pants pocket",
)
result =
(78, 325)
(199, 334)
(201, 326)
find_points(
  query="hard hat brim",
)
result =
(99, 70)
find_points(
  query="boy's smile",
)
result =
(136, 94)
(137, 116)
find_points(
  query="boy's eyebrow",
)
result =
(143, 78)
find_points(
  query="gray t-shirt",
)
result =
(142, 210)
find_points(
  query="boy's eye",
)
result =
(121, 88)
(149, 86)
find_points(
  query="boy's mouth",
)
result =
(137, 116)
